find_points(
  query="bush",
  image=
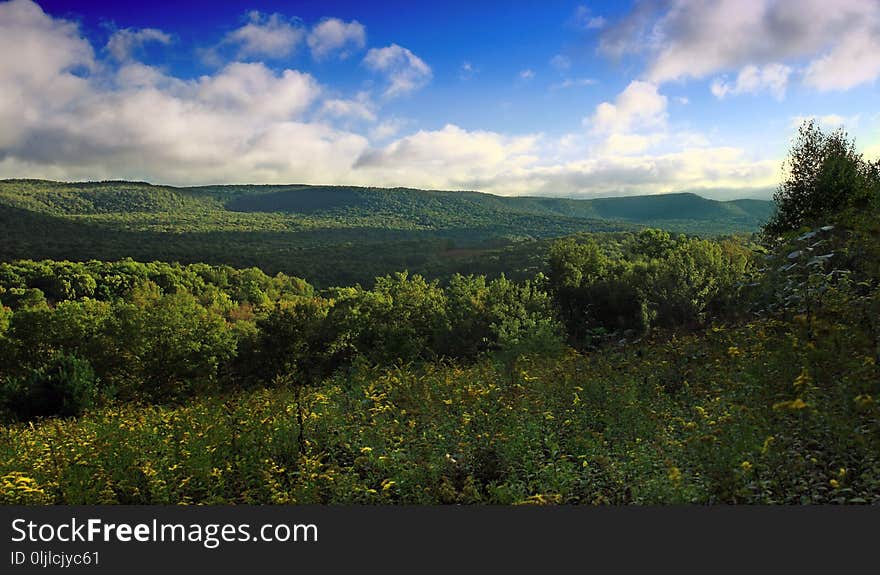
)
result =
(66, 387)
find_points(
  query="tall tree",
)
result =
(825, 176)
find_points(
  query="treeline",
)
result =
(657, 281)
(366, 232)
(77, 334)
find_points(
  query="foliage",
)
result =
(826, 176)
(728, 415)
(366, 232)
(657, 280)
(65, 386)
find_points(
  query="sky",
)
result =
(514, 98)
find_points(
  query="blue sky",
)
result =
(542, 98)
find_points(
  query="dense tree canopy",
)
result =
(825, 176)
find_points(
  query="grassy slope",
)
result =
(705, 418)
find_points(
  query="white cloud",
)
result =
(38, 56)
(253, 88)
(583, 18)
(450, 157)
(467, 71)
(574, 83)
(335, 36)
(639, 106)
(752, 79)
(65, 115)
(359, 109)
(387, 129)
(696, 38)
(270, 36)
(454, 158)
(404, 71)
(124, 42)
(244, 123)
(526, 74)
(607, 174)
(853, 61)
(828, 121)
(560, 62)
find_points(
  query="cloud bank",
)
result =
(70, 110)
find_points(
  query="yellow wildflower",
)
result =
(802, 380)
(793, 405)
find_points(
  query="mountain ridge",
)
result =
(332, 235)
(121, 196)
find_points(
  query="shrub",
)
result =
(66, 386)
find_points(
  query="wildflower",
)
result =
(767, 443)
(674, 474)
(835, 483)
(793, 405)
(746, 466)
(864, 400)
(733, 351)
(802, 380)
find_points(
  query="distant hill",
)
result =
(327, 234)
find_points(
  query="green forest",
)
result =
(302, 344)
(365, 232)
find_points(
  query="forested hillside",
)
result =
(364, 232)
(642, 367)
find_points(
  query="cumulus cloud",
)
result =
(583, 18)
(467, 71)
(254, 89)
(451, 156)
(244, 123)
(65, 114)
(630, 34)
(38, 58)
(387, 128)
(334, 36)
(271, 36)
(827, 121)
(455, 158)
(696, 38)
(360, 108)
(560, 62)
(639, 106)
(853, 61)
(752, 79)
(574, 83)
(607, 174)
(123, 43)
(404, 71)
